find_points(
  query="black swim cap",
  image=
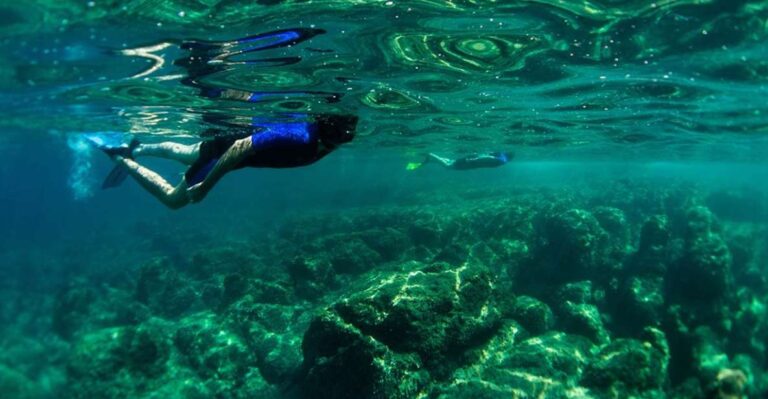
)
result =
(336, 129)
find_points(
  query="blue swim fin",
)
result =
(115, 178)
(259, 42)
(111, 143)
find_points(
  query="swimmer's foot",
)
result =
(123, 150)
(112, 145)
(116, 177)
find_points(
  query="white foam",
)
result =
(81, 181)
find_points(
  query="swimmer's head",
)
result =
(334, 130)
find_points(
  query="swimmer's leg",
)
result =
(232, 158)
(184, 153)
(181, 195)
(170, 196)
(447, 162)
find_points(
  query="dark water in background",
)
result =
(588, 95)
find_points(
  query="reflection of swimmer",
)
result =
(206, 58)
(271, 145)
(474, 161)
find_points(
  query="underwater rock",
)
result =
(278, 292)
(255, 386)
(534, 315)
(579, 292)
(630, 366)
(640, 297)
(690, 388)
(750, 326)
(512, 222)
(228, 260)
(163, 290)
(655, 251)
(699, 221)
(80, 307)
(210, 295)
(577, 313)
(453, 254)
(311, 276)
(436, 312)
(730, 384)
(424, 319)
(515, 255)
(353, 257)
(551, 359)
(614, 223)
(722, 376)
(703, 273)
(582, 319)
(425, 232)
(655, 234)
(211, 350)
(508, 367)
(511, 311)
(480, 378)
(639, 303)
(702, 279)
(390, 243)
(278, 355)
(234, 286)
(114, 362)
(746, 267)
(17, 386)
(24, 357)
(71, 309)
(272, 333)
(483, 254)
(342, 362)
(573, 246)
(144, 349)
(475, 388)
(94, 355)
(709, 354)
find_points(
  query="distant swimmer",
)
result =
(269, 145)
(473, 161)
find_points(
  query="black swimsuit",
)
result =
(480, 161)
(276, 145)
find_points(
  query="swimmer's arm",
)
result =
(229, 160)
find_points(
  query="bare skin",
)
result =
(180, 195)
(186, 154)
(444, 161)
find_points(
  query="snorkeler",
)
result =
(270, 145)
(474, 161)
(282, 142)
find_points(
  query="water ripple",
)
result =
(549, 76)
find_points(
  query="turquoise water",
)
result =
(623, 252)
